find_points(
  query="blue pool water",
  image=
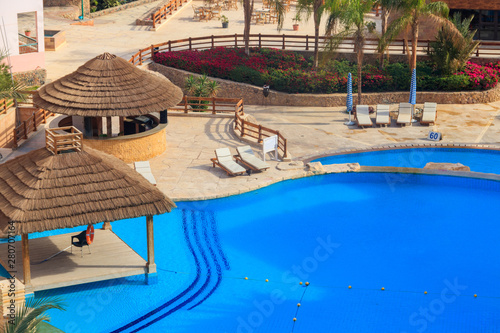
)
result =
(406, 233)
(478, 160)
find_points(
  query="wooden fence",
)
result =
(5, 104)
(242, 127)
(290, 42)
(165, 11)
(30, 125)
(206, 104)
(256, 131)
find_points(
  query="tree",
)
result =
(315, 8)
(411, 12)
(449, 53)
(30, 317)
(201, 86)
(248, 5)
(9, 88)
(351, 15)
(387, 7)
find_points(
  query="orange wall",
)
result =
(7, 122)
(474, 4)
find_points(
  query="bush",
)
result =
(290, 72)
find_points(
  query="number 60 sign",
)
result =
(434, 136)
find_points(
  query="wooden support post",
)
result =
(151, 266)
(26, 260)
(109, 129)
(106, 226)
(34, 121)
(25, 130)
(122, 126)
(99, 126)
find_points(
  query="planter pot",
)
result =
(225, 24)
(27, 33)
(295, 27)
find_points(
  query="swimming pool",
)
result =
(421, 233)
(479, 160)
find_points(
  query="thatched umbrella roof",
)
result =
(41, 191)
(108, 86)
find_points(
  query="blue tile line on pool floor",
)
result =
(214, 257)
(208, 276)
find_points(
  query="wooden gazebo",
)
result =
(66, 185)
(112, 99)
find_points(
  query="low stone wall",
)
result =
(252, 95)
(138, 148)
(119, 8)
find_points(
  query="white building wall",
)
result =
(9, 33)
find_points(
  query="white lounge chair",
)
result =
(224, 159)
(404, 113)
(383, 116)
(429, 114)
(363, 116)
(248, 158)
(144, 169)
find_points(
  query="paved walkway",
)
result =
(184, 170)
(117, 33)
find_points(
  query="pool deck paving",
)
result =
(184, 171)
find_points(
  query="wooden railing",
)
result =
(242, 127)
(165, 11)
(30, 125)
(289, 42)
(206, 104)
(5, 104)
(62, 139)
(256, 131)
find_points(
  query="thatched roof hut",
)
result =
(108, 86)
(41, 191)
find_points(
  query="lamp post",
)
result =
(81, 16)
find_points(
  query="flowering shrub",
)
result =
(481, 77)
(290, 72)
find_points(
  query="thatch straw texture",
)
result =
(40, 191)
(108, 86)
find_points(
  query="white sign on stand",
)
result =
(270, 144)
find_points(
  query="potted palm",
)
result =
(296, 19)
(225, 21)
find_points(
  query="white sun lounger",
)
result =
(248, 158)
(383, 117)
(429, 114)
(363, 116)
(144, 169)
(404, 113)
(224, 159)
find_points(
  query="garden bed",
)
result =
(290, 72)
(253, 95)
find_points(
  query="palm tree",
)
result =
(387, 7)
(316, 8)
(411, 12)
(30, 317)
(9, 88)
(248, 6)
(350, 14)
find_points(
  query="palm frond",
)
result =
(393, 30)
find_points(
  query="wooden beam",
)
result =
(151, 266)
(26, 260)
(109, 126)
